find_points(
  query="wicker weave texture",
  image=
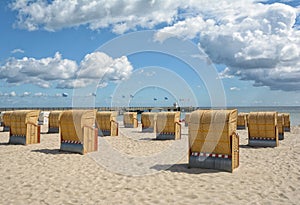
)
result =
(103, 119)
(72, 122)
(242, 119)
(148, 119)
(54, 118)
(286, 117)
(166, 122)
(280, 123)
(6, 118)
(20, 119)
(130, 118)
(263, 125)
(187, 118)
(210, 131)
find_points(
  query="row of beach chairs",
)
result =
(213, 140)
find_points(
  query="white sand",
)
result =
(41, 174)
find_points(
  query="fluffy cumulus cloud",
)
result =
(256, 41)
(122, 15)
(65, 73)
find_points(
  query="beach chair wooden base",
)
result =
(103, 133)
(287, 129)
(224, 164)
(17, 140)
(71, 147)
(148, 129)
(6, 129)
(281, 136)
(130, 126)
(53, 130)
(165, 136)
(262, 143)
(240, 127)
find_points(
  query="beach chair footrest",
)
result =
(165, 136)
(70, 147)
(262, 143)
(210, 163)
(53, 130)
(17, 140)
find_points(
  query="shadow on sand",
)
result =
(52, 151)
(183, 168)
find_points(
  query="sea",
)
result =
(293, 110)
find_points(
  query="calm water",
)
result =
(294, 112)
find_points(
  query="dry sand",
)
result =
(41, 174)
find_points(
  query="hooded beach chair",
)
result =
(280, 125)
(44, 118)
(6, 121)
(53, 123)
(242, 121)
(24, 128)
(262, 129)
(130, 120)
(213, 141)
(148, 120)
(77, 131)
(187, 119)
(287, 123)
(107, 123)
(168, 126)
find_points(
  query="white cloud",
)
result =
(40, 94)
(235, 89)
(122, 15)
(65, 73)
(26, 94)
(256, 41)
(17, 50)
(12, 94)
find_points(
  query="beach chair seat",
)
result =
(53, 122)
(24, 128)
(148, 120)
(213, 141)
(262, 129)
(168, 126)
(242, 121)
(287, 123)
(280, 125)
(6, 120)
(130, 120)
(77, 131)
(187, 119)
(107, 123)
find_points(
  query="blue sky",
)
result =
(149, 53)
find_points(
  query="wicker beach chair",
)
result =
(24, 128)
(287, 123)
(77, 131)
(6, 121)
(148, 120)
(107, 123)
(242, 121)
(53, 124)
(168, 126)
(280, 125)
(130, 120)
(44, 118)
(187, 119)
(262, 129)
(213, 141)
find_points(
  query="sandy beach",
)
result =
(41, 174)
